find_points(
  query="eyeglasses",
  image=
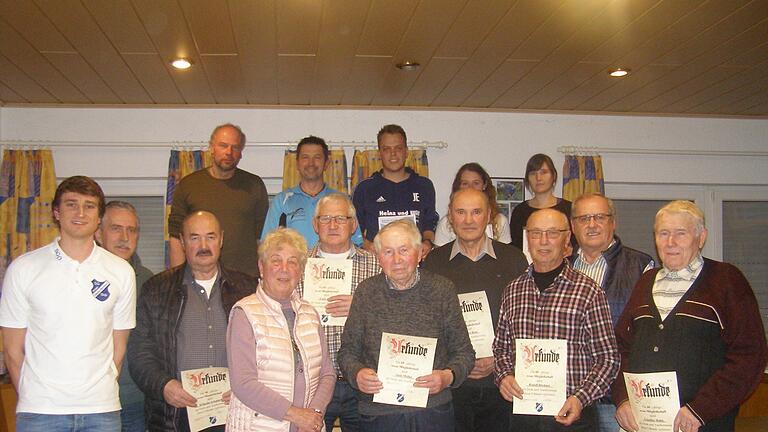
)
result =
(326, 219)
(599, 218)
(551, 234)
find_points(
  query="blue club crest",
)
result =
(100, 290)
(539, 407)
(400, 397)
(213, 420)
(324, 318)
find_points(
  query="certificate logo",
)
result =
(100, 289)
(213, 420)
(539, 407)
(642, 389)
(400, 397)
(203, 378)
(400, 346)
(533, 354)
(324, 318)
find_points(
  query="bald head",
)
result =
(202, 240)
(469, 214)
(548, 236)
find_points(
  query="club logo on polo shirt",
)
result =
(100, 289)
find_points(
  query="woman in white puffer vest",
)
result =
(281, 373)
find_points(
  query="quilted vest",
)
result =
(274, 356)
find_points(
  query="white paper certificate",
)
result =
(206, 385)
(402, 359)
(385, 220)
(477, 316)
(654, 399)
(540, 371)
(325, 278)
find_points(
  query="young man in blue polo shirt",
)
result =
(295, 207)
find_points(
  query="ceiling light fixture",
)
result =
(408, 65)
(618, 72)
(182, 63)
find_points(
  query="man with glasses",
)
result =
(334, 222)
(553, 301)
(615, 267)
(295, 207)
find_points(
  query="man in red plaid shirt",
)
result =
(553, 301)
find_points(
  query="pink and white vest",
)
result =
(274, 357)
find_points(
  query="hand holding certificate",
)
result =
(325, 278)
(207, 385)
(540, 371)
(654, 400)
(403, 359)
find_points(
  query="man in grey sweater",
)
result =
(406, 301)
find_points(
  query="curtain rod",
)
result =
(649, 151)
(196, 144)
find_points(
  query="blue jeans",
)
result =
(101, 422)
(343, 406)
(435, 419)
(132, 416)
(606, 417)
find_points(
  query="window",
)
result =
(745, 234)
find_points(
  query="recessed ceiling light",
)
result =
(618, 72)
(408, 65)
(181, 63)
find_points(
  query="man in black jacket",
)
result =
(182, 321)
(615, 267)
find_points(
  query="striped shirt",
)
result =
(574, 309)
(670, 286)
(364, 265)
(596, 270)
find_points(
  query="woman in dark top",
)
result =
(540, 179)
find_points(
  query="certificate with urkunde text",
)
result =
(477, 317)
(540, 370)
(324, 278)
(207, 385)
(402, 359)
(654, 399)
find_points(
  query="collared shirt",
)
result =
(391, 283)
(574, 309)
(69, 310)
(364, 265)
(299, 209)
(486, 249)
(202, 328)
(670, 286)
(596, 270)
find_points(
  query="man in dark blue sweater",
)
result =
(395, 192)
(480, 267)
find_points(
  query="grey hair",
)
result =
(405, 225)
(124, 205)
(611, 207)
(685, 207)
(336, 197)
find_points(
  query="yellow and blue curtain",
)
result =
(582, 174)
(181, 164)
(335, 176)
(367, 162)
(27, 187)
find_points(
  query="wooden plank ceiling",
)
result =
(686, 56)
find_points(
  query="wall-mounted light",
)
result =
(408, 65)
(618, 72)
(182, 63)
